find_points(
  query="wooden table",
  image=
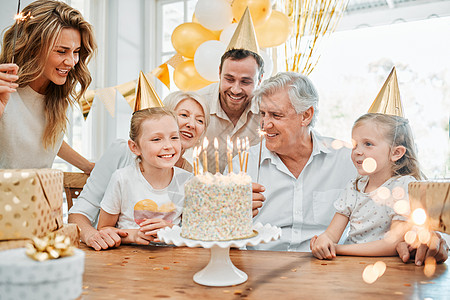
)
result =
(144, 272)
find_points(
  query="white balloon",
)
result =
(268, 64)
(207, 59)
(214, 14)
(227, 33)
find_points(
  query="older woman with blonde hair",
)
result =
(50, 48)
(193, 118)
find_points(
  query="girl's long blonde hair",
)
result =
(36, 37)
(397, 133)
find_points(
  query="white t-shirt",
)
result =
(370, 214)
(21, 130)
(128, 188)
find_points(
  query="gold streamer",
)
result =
(313, 21)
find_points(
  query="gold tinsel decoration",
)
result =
(313, 21)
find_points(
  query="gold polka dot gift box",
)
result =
(30, 203)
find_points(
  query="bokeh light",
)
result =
(369, 165)
(348, 145)
(337, 144)
(398, 193)
(430, 266)
(401, 207)
(369, 275)
(410, 237)
(424, 236)
(380, 268)
(419, 216)
(383, 193)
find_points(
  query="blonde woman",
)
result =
(193, 118)
(53, 47)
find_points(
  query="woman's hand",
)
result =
(8, 74)
(323, 247)
(150, 227)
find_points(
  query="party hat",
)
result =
(146, 95)
(388, 99)
(244, 36)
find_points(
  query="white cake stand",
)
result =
(220, 271)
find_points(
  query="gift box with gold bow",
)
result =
(30, 203)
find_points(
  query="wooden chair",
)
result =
(73, 184)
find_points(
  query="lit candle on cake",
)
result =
(238, 146)
(199, 150)
(261, 133)
(229, 154)
(247, 148)
(216, 153)
(193, 160)
(205, 155)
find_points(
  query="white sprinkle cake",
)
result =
(218, 207)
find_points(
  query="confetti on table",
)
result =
(166, 268)
(283, 277)
(237, 292)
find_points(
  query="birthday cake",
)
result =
(218, 207)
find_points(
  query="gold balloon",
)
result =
(275, 31)
(188, 36)
(187, 78)
(260, 10)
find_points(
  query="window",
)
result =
(170, 14)
(354, 65)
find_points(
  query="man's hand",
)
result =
(257, 197)
(105, 238)
(436, 247)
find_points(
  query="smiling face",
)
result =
(283, 126)
(238, 80)
(191, 120)
(64, 55)
(369, 141)
(158, 144)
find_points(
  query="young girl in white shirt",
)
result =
(148, 195)
(384, 156)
